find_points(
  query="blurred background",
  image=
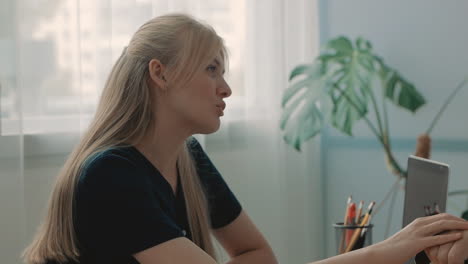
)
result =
(55, 56)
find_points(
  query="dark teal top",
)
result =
(123, 205)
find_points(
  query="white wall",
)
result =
(426, 41)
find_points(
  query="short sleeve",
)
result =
(117, 211)
(224, 206)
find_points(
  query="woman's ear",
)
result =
(156, 73)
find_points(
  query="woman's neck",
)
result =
(163, 145)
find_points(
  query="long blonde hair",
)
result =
(123, 117)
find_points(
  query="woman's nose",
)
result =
(224, 90)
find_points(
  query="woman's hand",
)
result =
(422, 233)
(451, 253)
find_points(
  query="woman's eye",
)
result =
(211, 68)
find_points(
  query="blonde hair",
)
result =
(123, 117)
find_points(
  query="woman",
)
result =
(139, 189)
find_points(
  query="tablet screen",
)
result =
(426, 188)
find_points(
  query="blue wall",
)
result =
(426, 41)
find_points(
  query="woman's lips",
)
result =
(221, 108)
(221, 105)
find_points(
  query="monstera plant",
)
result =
(347, 83)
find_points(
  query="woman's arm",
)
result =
(241, 239)
(176, 251)
(417, 236)
(244, 243)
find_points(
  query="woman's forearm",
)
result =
(258, 256)
(423, 233)
(365, 255)
(353, 257)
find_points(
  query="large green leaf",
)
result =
(403, 93)
(351, 84)
(302, 118)
(340, 45)
(343, 75)
(311, 73)
(302, 69)
(308, 123)
(398, 90)
(347, 106)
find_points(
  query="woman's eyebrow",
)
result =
(219, 64)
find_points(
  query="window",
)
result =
(58, 60)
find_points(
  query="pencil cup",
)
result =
(352, 237)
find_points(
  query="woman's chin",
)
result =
(210, 128)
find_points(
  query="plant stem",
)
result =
(382, 141)
(384, 107)
(374, 103)
(444, 106)
(383, 78)
(384, 135)
(394, 163)
(387, 195)
(390, 213)
(353, 104)
(377, 113)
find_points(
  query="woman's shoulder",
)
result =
(193, 143)
(115, 166)
(121, 157)
(206, 168)
(196, 149)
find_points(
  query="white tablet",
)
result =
(426, 188)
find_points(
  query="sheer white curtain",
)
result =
(279, 188)
(55, 56)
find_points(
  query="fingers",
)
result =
(443, 225)
(434, 218)
(442, 254)
(457, 254)
(432, 241)
(432, 254)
